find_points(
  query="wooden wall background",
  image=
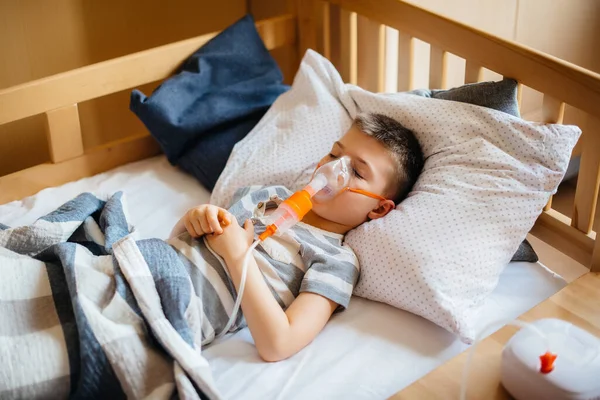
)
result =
(39, 38)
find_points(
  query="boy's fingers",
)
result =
(190, 228)
(211, 215)
(204, 224)
(197, 227)
(223, 216)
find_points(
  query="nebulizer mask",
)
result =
(327, 182)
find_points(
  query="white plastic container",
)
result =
(576, 373)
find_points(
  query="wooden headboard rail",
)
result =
(57, 97)
(550, 75)
(133, 70)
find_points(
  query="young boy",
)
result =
(296, 281)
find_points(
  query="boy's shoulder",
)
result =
(264, 192)
(328, 242)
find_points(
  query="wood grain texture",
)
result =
(335, 39)
(122, 73)
(31, 180)
(588, 182)
(325, 31)
(349, 46)
(550, 75)
(307, 26)
(371, 55)
(405, 62)
(63, 132)
(343, 42)
(555, 229)
(40, 38)
(473, 72)
(286, 56)
(553, 110)
(437, 68)
(577, 303)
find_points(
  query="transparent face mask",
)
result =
(329, 180)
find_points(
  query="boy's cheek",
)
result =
(337, 207)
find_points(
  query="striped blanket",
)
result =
(86, 311)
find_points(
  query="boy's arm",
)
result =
(278, 334)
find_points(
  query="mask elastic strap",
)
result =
(365, 193)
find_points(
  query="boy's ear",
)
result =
(385, 206)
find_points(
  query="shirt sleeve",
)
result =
(331, 274)
(243, 191)
(242, 206)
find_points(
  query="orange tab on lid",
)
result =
(547, 361)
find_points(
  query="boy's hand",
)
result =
(206, 219)
(233, 243)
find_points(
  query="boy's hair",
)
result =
(403, 145)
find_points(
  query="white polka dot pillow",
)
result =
(487, 177)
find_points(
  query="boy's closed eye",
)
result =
(332, 156)
(357, 174)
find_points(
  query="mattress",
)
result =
(369, 351)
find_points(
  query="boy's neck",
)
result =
(319, 222)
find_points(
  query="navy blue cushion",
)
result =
(216, 98)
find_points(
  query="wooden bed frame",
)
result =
(331, 28)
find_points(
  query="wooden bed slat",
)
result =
(63, 131)
(119, 74)
(349, 46)
(343, 38)
(381, 60)
(437, 68)
(565, 81)
(31, 180)
(326, 29)
(318, 18)
(307, 26)
(371, 55)
(335, 37)
(554, 227)
(473, 72)
(548, 205)
(553, 111)
(588, 182)
(406, 55)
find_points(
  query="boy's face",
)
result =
(371, 169)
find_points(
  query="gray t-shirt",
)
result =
(303, 259)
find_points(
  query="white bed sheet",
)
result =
(369, 351)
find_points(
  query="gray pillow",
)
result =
(501, 96)
(525, 253)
